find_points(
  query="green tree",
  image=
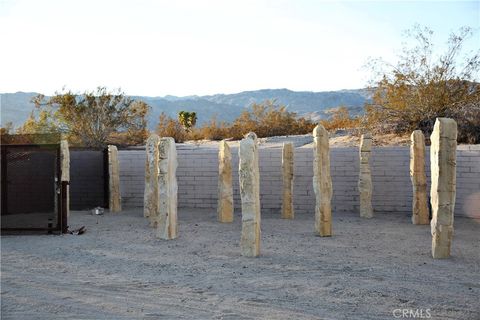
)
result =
(93, 118)
(187, 119)
(422, 86)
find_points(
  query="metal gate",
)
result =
(33, 197)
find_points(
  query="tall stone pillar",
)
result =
(419, 178)
(115, 203)
(166, 218)
(365, 186)
(249, 175)
(150, 200)
(65, 165)
(225, 188)
(443, 189)
(322, 182)
(287, 173)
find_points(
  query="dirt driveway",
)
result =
(369, 269)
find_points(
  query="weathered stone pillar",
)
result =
(365, 179)
(115, 203)
(249, 175)
(166, 218)
(322, 182)
(225, 188)
(287, 173)
(65, 164)
(443, 189)
(418, 177)
(150, 200)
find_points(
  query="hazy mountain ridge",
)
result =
(16, 107)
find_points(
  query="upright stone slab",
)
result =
(250, 195)
(65, 164)
(443, 189)
(225, 188)
(322, 182)
(115, 203)
(287, 174)
(150, 200)
(419, 178)
(166, 218)
(365, 186)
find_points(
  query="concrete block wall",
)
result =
(197, 176)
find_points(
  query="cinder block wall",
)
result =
(197, 175)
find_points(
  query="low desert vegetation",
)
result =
(265, 119)
(92, 119)
(421, 86)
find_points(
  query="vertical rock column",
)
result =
(115, 203)
(150, 200)
(287, 172)
(225, 189)
(365, 179)
(250, 195)
(443, 189)
(166, 218)
(418, 177)
(65, 164)
(322, 182)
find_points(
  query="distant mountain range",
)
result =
(16, 107)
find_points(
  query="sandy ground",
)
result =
(118, 270)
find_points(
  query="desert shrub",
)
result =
(268, 119)
(169, 127)
(339, 118)
(211, 130)
(265, 119)
(411, 94)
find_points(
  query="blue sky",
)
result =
(205, 47)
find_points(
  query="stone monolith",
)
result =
(443, 188)
(419, 178)
(287, 175)
(166, 218)
(65, 164)
(249, 176)
(115, 203)
(225, 188)
(365, 178)
(150, 200)
(322, 182)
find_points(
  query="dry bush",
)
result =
(211, 131)
(168, 127)
(339, 118)
(421, 87)
(265, 119)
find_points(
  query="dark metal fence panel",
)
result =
(29, 198)
(87, 179)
